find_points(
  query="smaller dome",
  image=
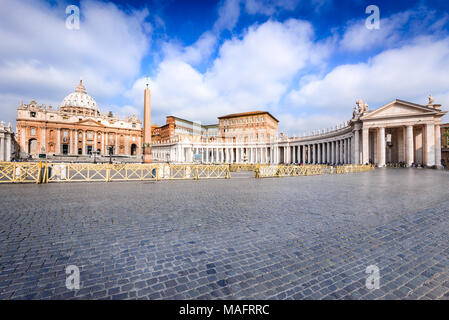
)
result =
(79, 98)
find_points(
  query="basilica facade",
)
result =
(76, 129)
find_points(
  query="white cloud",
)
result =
(250, 72)
(395, 30)
(410, 73)
(228, 15)
(269, 7)
(194, 54)
(40, 57)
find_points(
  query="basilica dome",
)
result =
(79, 98)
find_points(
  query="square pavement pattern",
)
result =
(287, 238)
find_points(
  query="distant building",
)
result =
(76, 129)
(248, 126)
(178, 127)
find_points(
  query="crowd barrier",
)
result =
(266, 171)
(237, 167)
(44, 172)
(23, 172)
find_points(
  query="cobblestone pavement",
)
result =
(277, 238)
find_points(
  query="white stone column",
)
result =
(437, 146)
(337, 152)
(332, 152)
(303, 160)
(328, 155)
(356, 147)
(23, 146)
(382, 147)
(8, 147)
(365, 145)
(342, 160)
(323, 153)
(319, 153)
(430, 144)
(2, 147)
(309, 154)
(410, 146)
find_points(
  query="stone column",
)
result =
(356, 147)
(308, 154)
(332, 152)
(337, 152)
(323, 153)
(381, 162)
(303, 154)
(319, 153)
(95, 147)
(430, 145)
(2, 147)
(328, 155)
(438, 146)
(84, 143)
(410, 146)
(8, 147)
(342, 160)
(365, 145)
(58, 142)
(44, 140)
(72, 142)
(23, 146)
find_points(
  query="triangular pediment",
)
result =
(399, 108)
(90, 122)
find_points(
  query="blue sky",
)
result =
(305, 61)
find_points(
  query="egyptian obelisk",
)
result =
(147, 127)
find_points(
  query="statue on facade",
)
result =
(362, 107)
(431, 100)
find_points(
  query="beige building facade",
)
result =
(76, 129)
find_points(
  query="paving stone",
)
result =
(290, 238)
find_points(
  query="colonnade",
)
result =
(224, 154)
(337, 151)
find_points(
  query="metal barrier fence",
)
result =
(266, 171)
(23, 172)
(237, 167)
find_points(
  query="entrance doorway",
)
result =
(133, 149)
(32, 146)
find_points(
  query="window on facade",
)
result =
(66, 134)
(89, 135)
(33, 114)
(80, 135)
(33, 131)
